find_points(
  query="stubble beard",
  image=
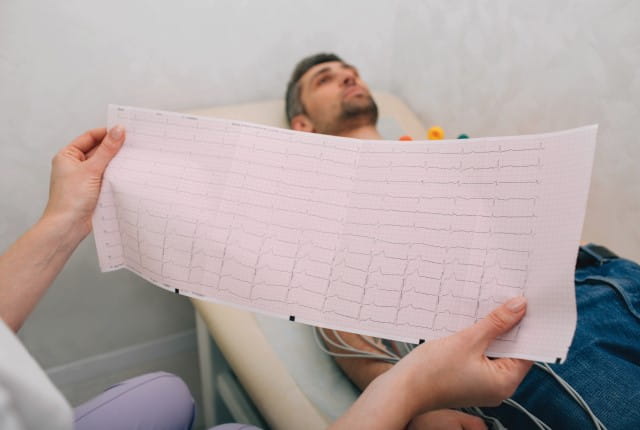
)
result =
(353, 114)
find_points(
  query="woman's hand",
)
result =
(76, 176)
(455, 372)
(444, 373)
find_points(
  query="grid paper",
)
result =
(404, 240)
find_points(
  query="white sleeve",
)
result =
(28, 398)
(9, 419)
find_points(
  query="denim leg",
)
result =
(603, 364)
(158, 401)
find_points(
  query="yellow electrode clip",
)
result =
(435, 133)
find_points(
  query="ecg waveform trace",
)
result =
(410, 241)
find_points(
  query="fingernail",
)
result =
(516, 304)
(116, 132)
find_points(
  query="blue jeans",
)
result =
(603, 364)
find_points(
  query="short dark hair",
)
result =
(293, 102)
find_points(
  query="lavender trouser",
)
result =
(154, 401)
(235, 427)
(158, 401)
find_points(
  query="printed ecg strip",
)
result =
(409, 241)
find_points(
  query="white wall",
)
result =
(480, 67)
(490, 68)
(61, 63)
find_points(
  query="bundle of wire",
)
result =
(392, 352)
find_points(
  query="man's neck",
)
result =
(369, 132)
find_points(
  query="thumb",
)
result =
(500, 320)
(108, 148)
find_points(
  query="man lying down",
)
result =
(597, 386)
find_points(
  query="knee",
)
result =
(167, 383)
(171, 395)
(151, 401)
(235, 426)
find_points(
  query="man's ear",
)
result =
(302, 122)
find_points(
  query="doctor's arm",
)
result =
(445, 373)
(32, 263)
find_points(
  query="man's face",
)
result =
(336, 99)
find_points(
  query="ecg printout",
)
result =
(403, 240)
